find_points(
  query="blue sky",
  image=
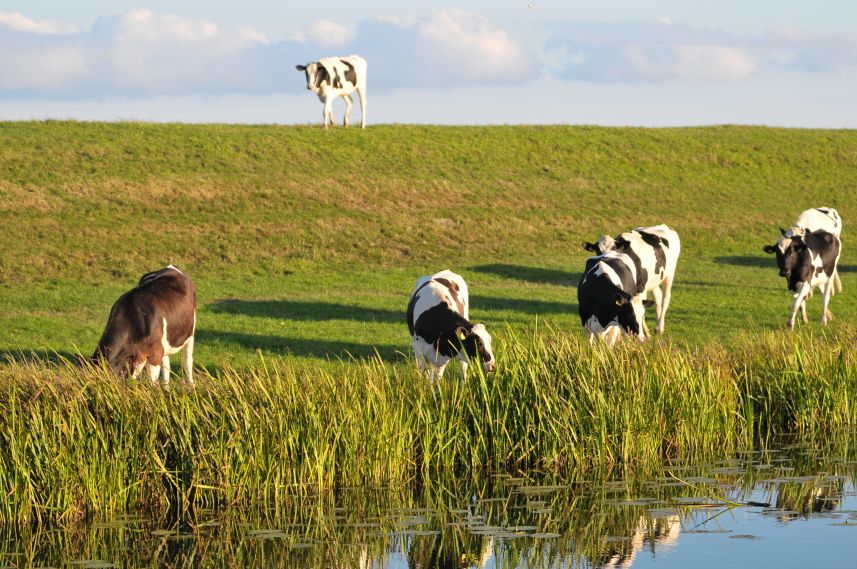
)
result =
(656, 62)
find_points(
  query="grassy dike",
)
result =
(305, 245)
(79, 444)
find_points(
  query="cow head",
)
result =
(605, 243)
(316, 76)
(614, 307)
(119, 360)
(788, 251)
(477, 342)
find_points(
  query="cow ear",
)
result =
(461, 332)
(648, 303)
(621, 300)
(769, 248)
(300, 67)
(589, 246)
(782, 232)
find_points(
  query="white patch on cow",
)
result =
(171, 350)
(480, 331)
(605, 269)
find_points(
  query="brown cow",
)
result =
(149, 323)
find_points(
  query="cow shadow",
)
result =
(538, 275)
(305, 310)
(847, 268)
(521, 305)
(303, 347)
(747, 261)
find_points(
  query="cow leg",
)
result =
(187, 359)
(421, 359)
(362, 96)
(137, 369)
(440, 370)
(665, 304)
(825, 300)
(803, 311)
(463, 365)
(328, 113)
(658, 297)
(803, 292)
(165, 369)
(154, 373)
(348, 103)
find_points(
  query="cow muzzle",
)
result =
(489, 366)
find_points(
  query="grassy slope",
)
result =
(309, 242)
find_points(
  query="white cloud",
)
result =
(21, 23)
(445, 49)
(325, 33)
(663, 51)
(713, 63)
(473, 45)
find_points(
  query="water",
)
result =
(795, 506)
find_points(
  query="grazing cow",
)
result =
(609, 299)
(439, 326)
(149, 323)
(816, 219)
(654, 252)
(807, 261)
(332, 77)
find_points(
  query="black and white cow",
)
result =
(439, 326)
(609, 299)
(807, 261)
(654, 253)
(149, 323)
(332, 77)
(816, 219)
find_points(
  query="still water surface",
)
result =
(792, 506)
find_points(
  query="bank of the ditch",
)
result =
(79, 443)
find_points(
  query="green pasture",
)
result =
(307, 242)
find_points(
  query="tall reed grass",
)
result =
(77, 442)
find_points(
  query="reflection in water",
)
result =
(503, 521)
(659, 533)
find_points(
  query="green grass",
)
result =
(305, 245)
(308, 242)
(85, 443)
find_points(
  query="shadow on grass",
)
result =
(847, 268)
(768, 262)
(522, 305)
(303, 310)
(530, 274)
(303, 347)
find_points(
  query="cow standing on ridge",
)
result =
(333, 77)
(807, 261)
(653, 252)
(440, 330)
(149, 323)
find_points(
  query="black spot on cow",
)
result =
(657, 243)
(350, 74)
(321, 75)
(642, 274)
(629, 284)
(440, 327)
(600, 298)
(337, 82)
